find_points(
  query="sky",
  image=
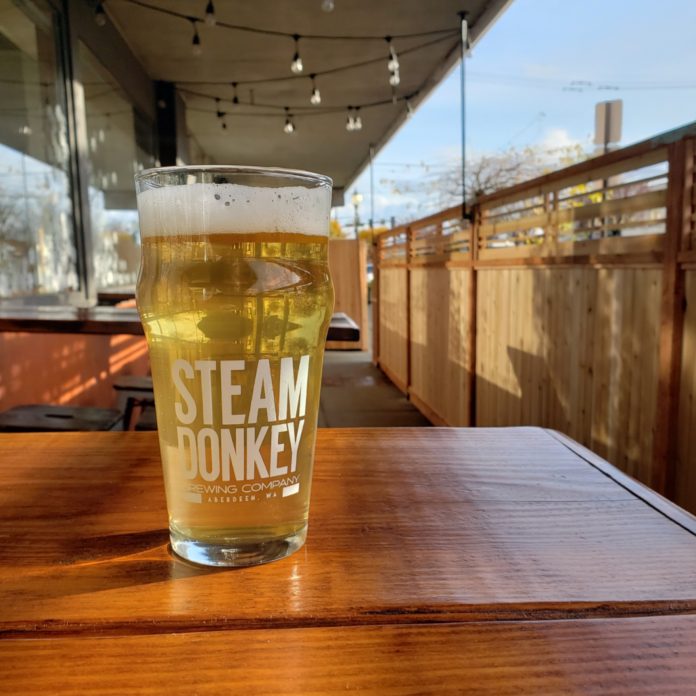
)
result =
(534, 79)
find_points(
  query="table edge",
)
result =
(672, 511)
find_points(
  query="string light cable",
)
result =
(453, 33)
(287, 34)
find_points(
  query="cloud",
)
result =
(557, 139)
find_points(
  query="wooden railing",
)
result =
(567, 301)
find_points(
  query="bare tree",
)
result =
(440, 188)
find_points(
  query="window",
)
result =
(37, 243)
(119, 145)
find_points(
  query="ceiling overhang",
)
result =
(244, 124)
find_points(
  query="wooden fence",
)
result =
(568, 301)
(348, 265)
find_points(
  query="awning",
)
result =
(246, 123)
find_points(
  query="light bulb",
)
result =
(394, 78)
(327, 5)
(350, 123)
(296, 66)
(99, 15)
(357, 124)
(289, 126)
(210, 14)
(393, 64)
(315, 98)
(101, 135)
(196, 47)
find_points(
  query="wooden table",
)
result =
(115, 320)
(438, 561)
(114, 295)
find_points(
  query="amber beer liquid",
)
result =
(235, 297)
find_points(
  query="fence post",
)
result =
(409, 241)
(374, 295)
(671, 321)
(474, 222)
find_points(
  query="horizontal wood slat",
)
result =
(641, 656)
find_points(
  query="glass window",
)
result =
(37, 244)
(119, 144)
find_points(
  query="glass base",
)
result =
(233, 553)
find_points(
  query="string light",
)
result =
(196, 47)
(327, 5)
(235, 98)
(210, 14)
(289, 35)
(296, 66)
(352, 110)
(289, 126)
(315, 99)
(393, 64)
(353, 122)
(220, 114)
(99, 15)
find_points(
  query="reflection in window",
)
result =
(37, 250)
(119, 144)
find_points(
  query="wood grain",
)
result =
(425, 525)
(393, 330)
(686, 453)
(672, 319)
(440, 343)
(655, 655)
(575, 350)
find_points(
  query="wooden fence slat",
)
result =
(671, 325)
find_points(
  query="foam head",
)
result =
(205, 209)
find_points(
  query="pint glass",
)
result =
(235, 296)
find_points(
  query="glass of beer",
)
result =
(235, 296)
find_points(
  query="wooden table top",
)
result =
(507, 560)
(115, 320)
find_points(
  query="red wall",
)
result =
(76, 369)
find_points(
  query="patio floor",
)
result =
(355, 393)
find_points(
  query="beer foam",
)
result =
(203, 209)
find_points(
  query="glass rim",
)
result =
(298, 174)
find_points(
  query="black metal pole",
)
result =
(372, 187)
(463, 41)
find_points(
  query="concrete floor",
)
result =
(354, 393)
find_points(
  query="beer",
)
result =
(235, 297)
